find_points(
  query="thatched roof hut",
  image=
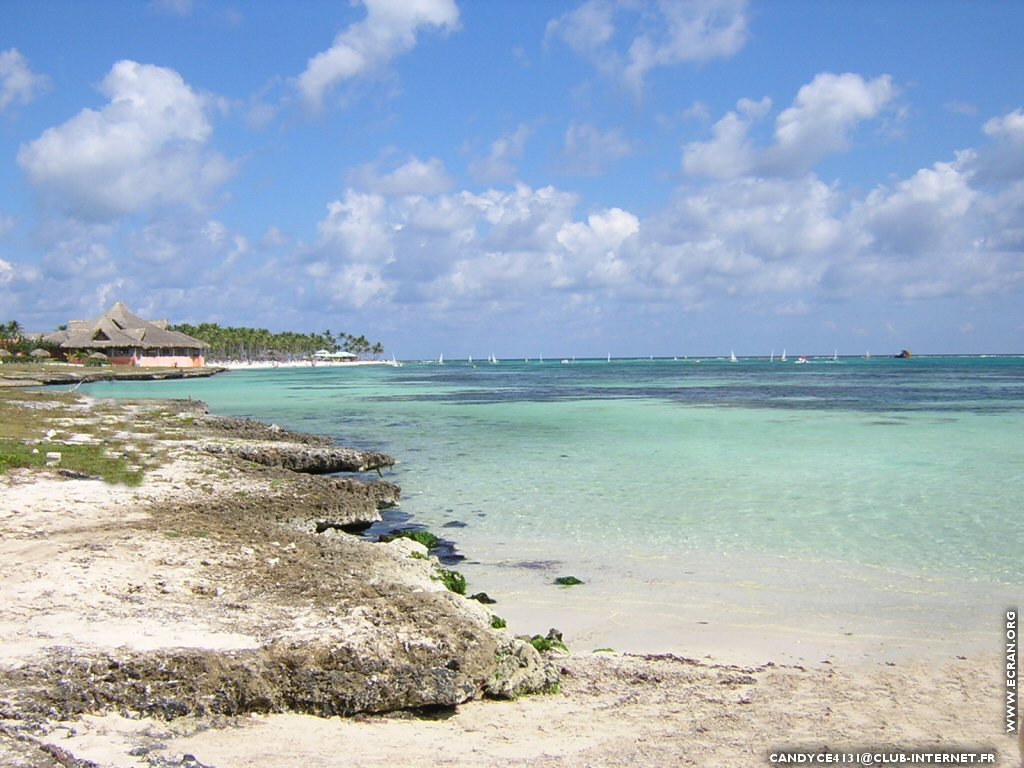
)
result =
(126, 338)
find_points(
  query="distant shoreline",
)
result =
(243, 365)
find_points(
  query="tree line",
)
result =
(230, 343)
(16, 344)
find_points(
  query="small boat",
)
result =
(440, 359)
(609, 357)
(492, 359)
(783, 358)
(772, 358)
(732, 357)
(801, 359)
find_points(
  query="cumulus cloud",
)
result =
(146, 146)
(17, 81)
(353, 246)
(665, 34)
(819, 123)
(389, 30)
(589, 151)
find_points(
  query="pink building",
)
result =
(127, 339)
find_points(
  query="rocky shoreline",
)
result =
(225, 585)
(44, 374)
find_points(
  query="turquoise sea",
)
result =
(856, 508)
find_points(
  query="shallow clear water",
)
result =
(712, 488)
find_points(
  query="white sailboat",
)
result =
(783, 358)
(440, 359)
(609, 357)
(772, 358)
(492, 359)
(732, 357)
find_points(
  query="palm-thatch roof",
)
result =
(119, 328)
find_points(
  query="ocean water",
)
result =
(855, 509)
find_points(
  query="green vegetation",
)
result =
(497, 622)
(18, 346)
(567, 581)
(543, 644)
(426, 538)
(260, 344)
(86, 459)
(453, 580)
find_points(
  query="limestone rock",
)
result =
(301, 457)
(520, 670)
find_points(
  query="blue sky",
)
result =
(522, 177)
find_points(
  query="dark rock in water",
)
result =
(454, 524)
(483, 597)
(903, 355)
(447, 553)
(567, 581)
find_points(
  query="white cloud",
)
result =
(145, 147)
(354, 245)
(1001, 161)
(730, 153)
(664, 34)
(389, 30)
(819, 123)
(822, 116)
(689, 32)
(17, 81)
(499, 166)
(589, 150)
(744, 237)
(414, 177)
(593, 249)
(6, 272)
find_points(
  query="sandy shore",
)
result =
(88, 566)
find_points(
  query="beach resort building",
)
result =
(124, 338)
(324, 356)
